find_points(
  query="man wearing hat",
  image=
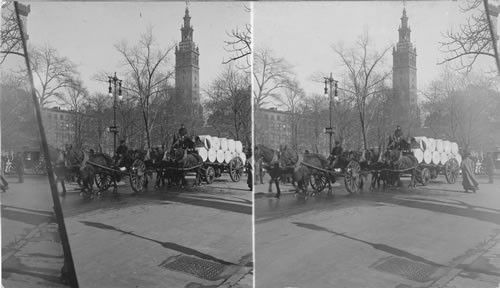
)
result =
(182, 131)
(122, 149)
(336, 152)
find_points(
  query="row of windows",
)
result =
(63, 137)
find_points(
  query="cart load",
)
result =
(221, 155)
(219, 150)
(436, 156)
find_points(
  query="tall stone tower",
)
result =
(404, 79)
(187, 82)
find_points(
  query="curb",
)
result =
(233, 280)
(448, 276)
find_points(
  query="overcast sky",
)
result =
(86, 32)
(304, 33)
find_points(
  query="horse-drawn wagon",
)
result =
(436, 156)
(221, 155)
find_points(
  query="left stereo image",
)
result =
(126, 144)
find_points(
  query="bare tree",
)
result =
(270, 74)
(293, 99)
(364, 81)
(229, 104)
(462, 108)
(52, 73)
(10, 31)
(77, 98)
(473, 39)
(240, 44)
(16, 111)
(147, 74)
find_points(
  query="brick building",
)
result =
(274, 128)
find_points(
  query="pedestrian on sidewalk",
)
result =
(4, 185)
(19, 165)
(490, 166)
(469, 181)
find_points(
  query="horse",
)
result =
(61, 171)
(78, 158)
(270, 159)
(185, 161)
(398, 161)
(302, 173)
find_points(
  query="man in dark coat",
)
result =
(19, 165)
(398, 133)
(248, 154)
(469, 181)
(122, 149)
(490, 166)
(4, 185)
(337, 150)
(182, 131)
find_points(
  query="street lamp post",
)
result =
(112, 92)
(332, 83)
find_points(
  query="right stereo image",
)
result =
(376, 144)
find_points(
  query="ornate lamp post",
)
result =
(112, 92)
(332, 83)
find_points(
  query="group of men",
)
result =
(394, 142)
(122, 149)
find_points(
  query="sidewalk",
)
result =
(36, 260)
(480, 270)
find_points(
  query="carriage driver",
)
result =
(122, 149)
(182, 131)
(395, 141)
(336, 152)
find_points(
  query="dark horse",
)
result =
(401, 163)
(185, 161)
(304, 173)
(277, 163)
(90, 164)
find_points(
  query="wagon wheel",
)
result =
(235, 169)
(451, 170)
(102, 181)
(425, 176)
(210, 174)
(352, 178)
(138, 176)
(318, 182)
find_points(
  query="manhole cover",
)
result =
(411, 270)
(201, 268)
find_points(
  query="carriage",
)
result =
(136, 171)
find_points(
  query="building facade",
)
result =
(187, 80)
(404, 79)
(274, 128)
(59, 126)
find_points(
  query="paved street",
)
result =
(197, 237)
(434, 236)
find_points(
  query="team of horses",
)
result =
(385, 166)
(170, 166)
